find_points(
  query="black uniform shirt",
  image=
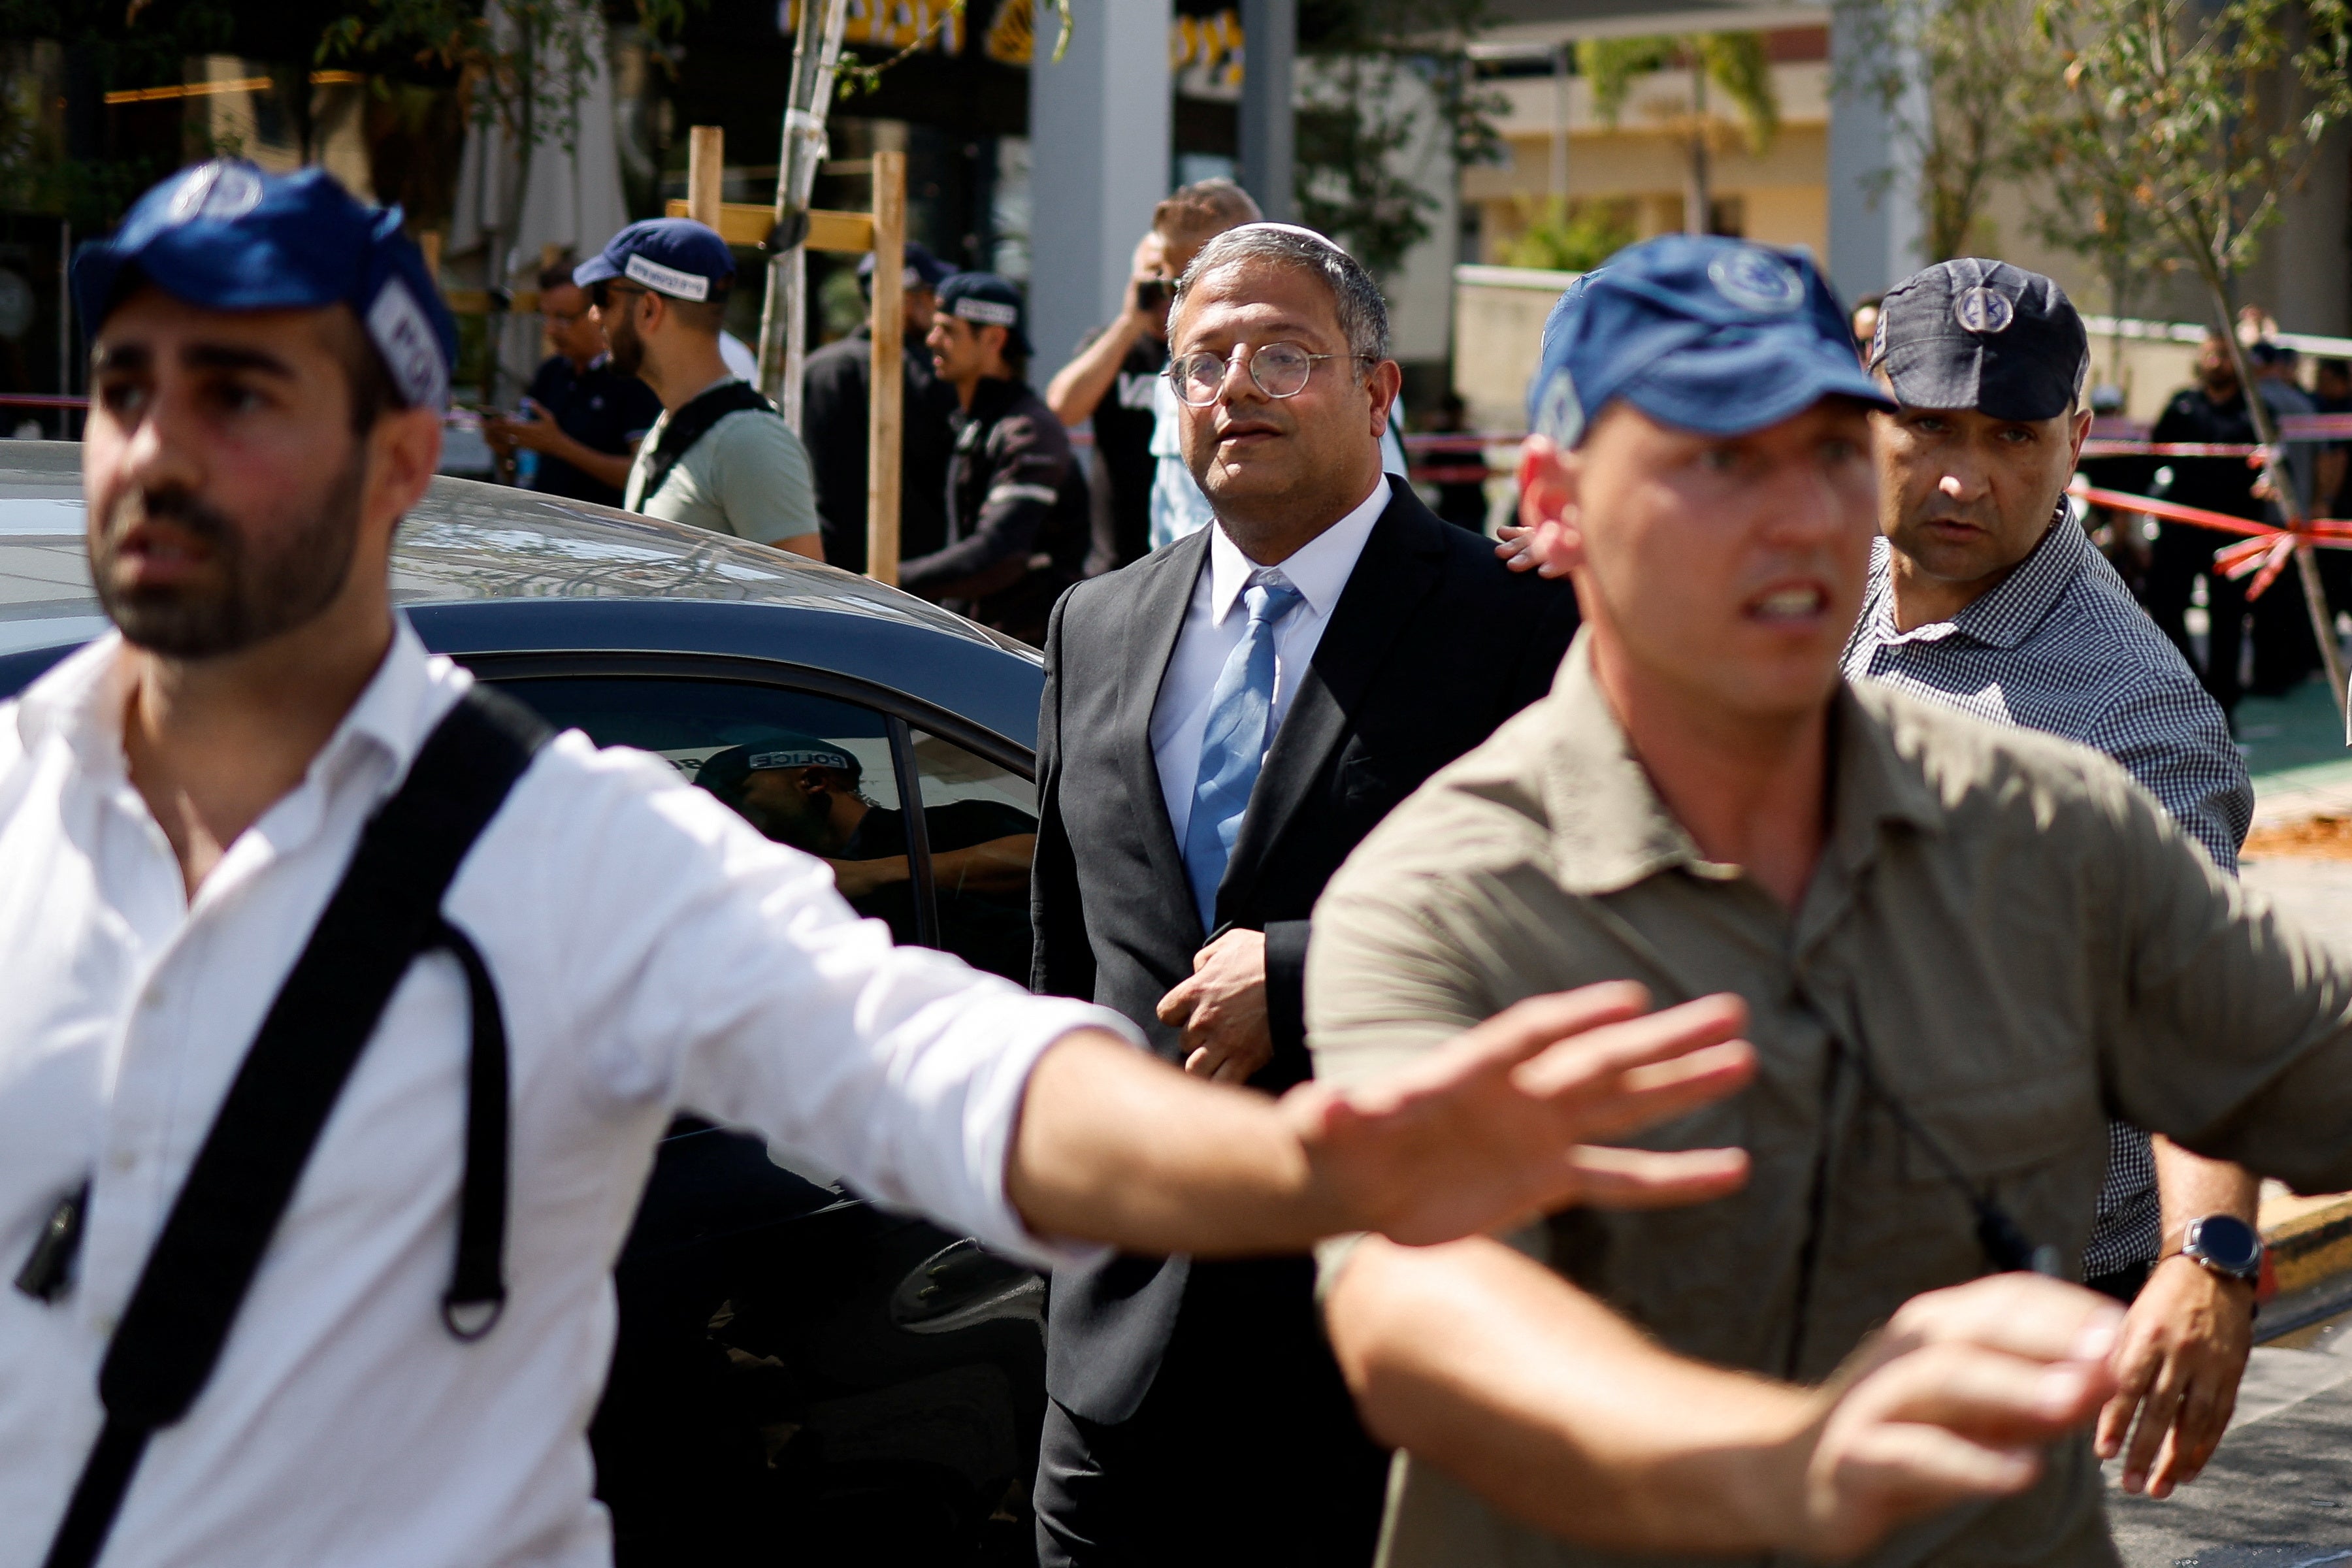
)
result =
(598, 407)
(833, 403)
(1017, 527)
(2217, 484)
(988, 930)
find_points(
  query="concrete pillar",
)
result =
(1268, 134)
(1875, 221)
(1100, 153)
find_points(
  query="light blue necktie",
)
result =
(1232, 747)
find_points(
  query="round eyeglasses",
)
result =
(1280, 370)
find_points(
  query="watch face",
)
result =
(2230, 1243)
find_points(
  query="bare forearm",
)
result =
(1555, 1410)
(1079, 387)
(999, 866)
(2190, 1186)
(1118, 1146)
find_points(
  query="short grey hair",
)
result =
(1363, 312)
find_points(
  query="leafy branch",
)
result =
(2199, 117)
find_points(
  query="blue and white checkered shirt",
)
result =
(2061, 646)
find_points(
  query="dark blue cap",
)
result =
(1709, 334)
(672, 256)
(921, 270)
(1971, 333)
(987, 300)
(223, 235)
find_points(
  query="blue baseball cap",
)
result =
(223, 235)
(1709, 334)
(672, 256)
(987, 300)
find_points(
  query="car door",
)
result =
(796, 1373)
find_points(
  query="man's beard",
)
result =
(261, 593)
(621, 341)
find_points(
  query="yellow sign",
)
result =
(937, 26)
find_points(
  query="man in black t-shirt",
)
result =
(2214, 410)
(834, 400)
(1110, 382)
(801, 790)
(589, 416)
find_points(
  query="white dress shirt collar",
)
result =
(81, 703)
(1319, 569)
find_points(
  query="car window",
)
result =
(811, 771)
(981, 821)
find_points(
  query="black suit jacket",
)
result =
(1431, 645)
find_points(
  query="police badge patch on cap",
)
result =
(1754, 279)
(1981, 309)
(220, 190)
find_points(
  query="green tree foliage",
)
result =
(1732, 61)
(2197, 116)
(1560, 238)
(1379, 76)
(1958, 81)
(1735, 62)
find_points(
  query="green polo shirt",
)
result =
(2004, 943)
(749, 476)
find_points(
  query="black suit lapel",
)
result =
(1149, 640)
(1394, 573)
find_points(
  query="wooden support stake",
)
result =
(705, 173)
(886, 403)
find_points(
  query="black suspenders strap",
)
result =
(691, 424)
(385, 912)
(478, 1286)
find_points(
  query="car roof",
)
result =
(483, 568)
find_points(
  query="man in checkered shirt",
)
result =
(1984, 594)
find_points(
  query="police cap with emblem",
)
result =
(1709, 334)
(1985, 335)
(985, 299)
(223, 235)
(672, 256)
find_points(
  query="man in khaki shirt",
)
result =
(1962, 949)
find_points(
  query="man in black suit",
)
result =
(1223, 721)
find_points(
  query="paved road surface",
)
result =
(2279, 1492)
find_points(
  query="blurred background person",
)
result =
(1460, 497)
(1017, 524)
(835, 392)
(2214, 410)
(2285, 654)
(1863, 323)
(1114, 381)
(582, 418)
(1188, 219)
